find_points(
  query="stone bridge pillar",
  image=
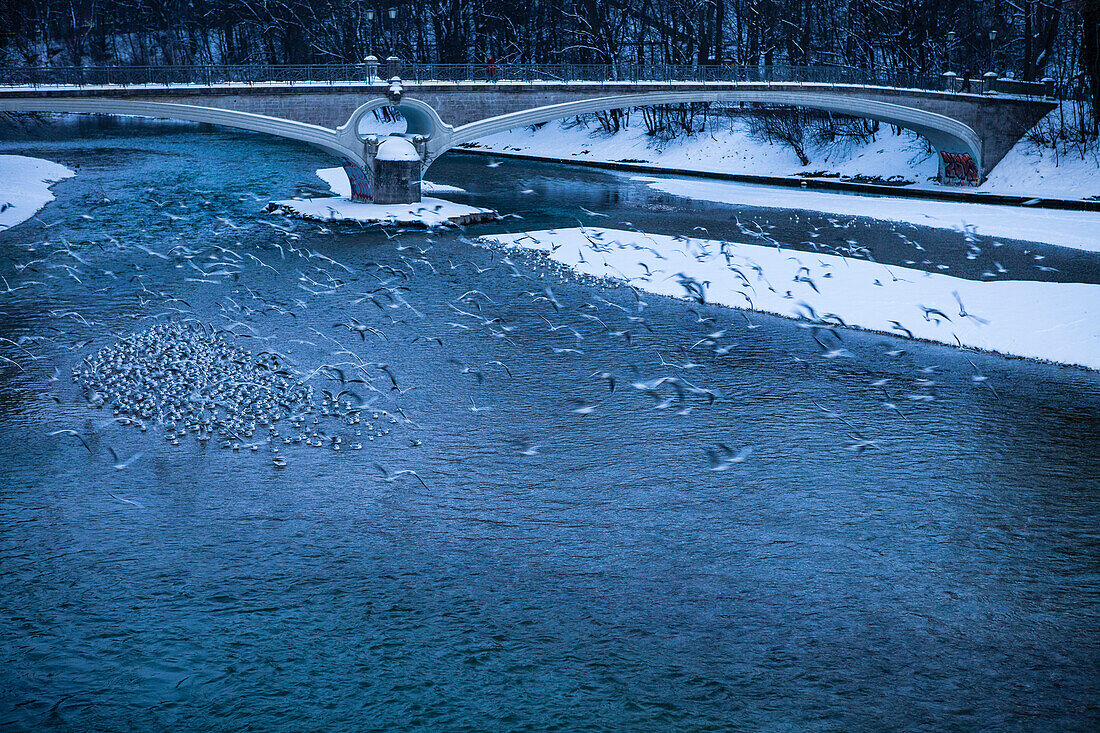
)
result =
(396, 172)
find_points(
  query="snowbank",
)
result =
(25, 187)
(726, 147)
(1029, 170)
(1051, 321)
(1075, 229)
(430, 212)
(337, 180)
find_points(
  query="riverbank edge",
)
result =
(961, 196)
(608, 281)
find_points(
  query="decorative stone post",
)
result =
(950, 81)
(396, 90)
(1048, 85)
(371, 63)
(989, 81)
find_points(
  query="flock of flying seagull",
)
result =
(188, 374)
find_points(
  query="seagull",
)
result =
(74, 434)
(389, 478)
(525, 447)
(962, 310)
(125, 501)
(608, 377)
(979, 378)
(858, 443)
(502, 365)
(933, 312)
(898, 327)
(583, 407)
(352, 324)
(475, 408)
(119, 464)
(724, 458)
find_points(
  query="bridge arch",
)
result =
(946, 134)
(420, 118)
(329, 140)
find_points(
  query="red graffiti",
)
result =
(960, 169)
(360, 183)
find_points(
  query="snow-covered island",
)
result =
(1058, 322)
(25, 187)
(430, 212)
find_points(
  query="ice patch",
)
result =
(25, 187)
(1074, 229)
(1057, 322)
(429, 187)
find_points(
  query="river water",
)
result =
(570, 561)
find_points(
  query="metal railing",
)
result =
(37, 77)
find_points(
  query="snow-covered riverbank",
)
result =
(727, 146)
(1076, 229)
(25, 187)
(1057, 322)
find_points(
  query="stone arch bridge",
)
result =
(970, 131)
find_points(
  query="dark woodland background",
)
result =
(1034, 38)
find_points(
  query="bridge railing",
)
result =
(176, 75)
(667, 73)
(258, 74)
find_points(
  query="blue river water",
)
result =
(571, 561)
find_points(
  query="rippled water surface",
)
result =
(561, 569)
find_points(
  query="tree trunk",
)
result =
(1090, 56)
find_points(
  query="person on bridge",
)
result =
(966, 80)
(490, 68)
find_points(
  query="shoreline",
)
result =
(825, 184)
(850, 292)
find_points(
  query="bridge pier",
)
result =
(396, 167)
(391, 174)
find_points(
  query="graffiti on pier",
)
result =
(960, 169)
(361, 189)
